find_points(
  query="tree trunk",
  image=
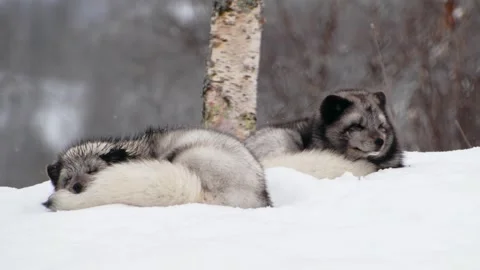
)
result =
(230, 85)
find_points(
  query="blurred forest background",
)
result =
(75, 68)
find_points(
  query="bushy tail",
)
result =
(140, 183)
(320, 164)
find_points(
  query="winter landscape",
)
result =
(424, 216)
(76, 69)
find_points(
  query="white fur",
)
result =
(320, 164)
(382, 117)
(374, 154)
(137, 183)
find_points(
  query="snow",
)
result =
(425, 216)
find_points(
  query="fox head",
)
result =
(74, 168)
(355, 122)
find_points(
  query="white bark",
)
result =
(232, 69)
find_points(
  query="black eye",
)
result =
(77, 188)
(382, 128)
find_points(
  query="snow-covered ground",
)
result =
(426, 216)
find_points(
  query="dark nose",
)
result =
(77, 188)
(47, 204)
(379, 142)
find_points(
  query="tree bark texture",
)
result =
(230, 85)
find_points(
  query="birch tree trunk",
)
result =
(230, 85)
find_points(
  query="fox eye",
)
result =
(356, 127)
(65, 181)
(92, 171)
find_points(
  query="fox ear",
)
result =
(382, 99)
(115, 155)
(53, 172)
(332, 107)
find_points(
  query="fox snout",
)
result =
(49, 204)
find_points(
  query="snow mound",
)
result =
(424, 216)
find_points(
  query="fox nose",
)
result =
(379, 142)
(47, 204)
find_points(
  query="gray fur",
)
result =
(350, 122)
(229, 173)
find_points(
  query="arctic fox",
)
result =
(159, 167)
(351, 131)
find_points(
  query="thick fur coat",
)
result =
(159, 167)
(350, 129)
